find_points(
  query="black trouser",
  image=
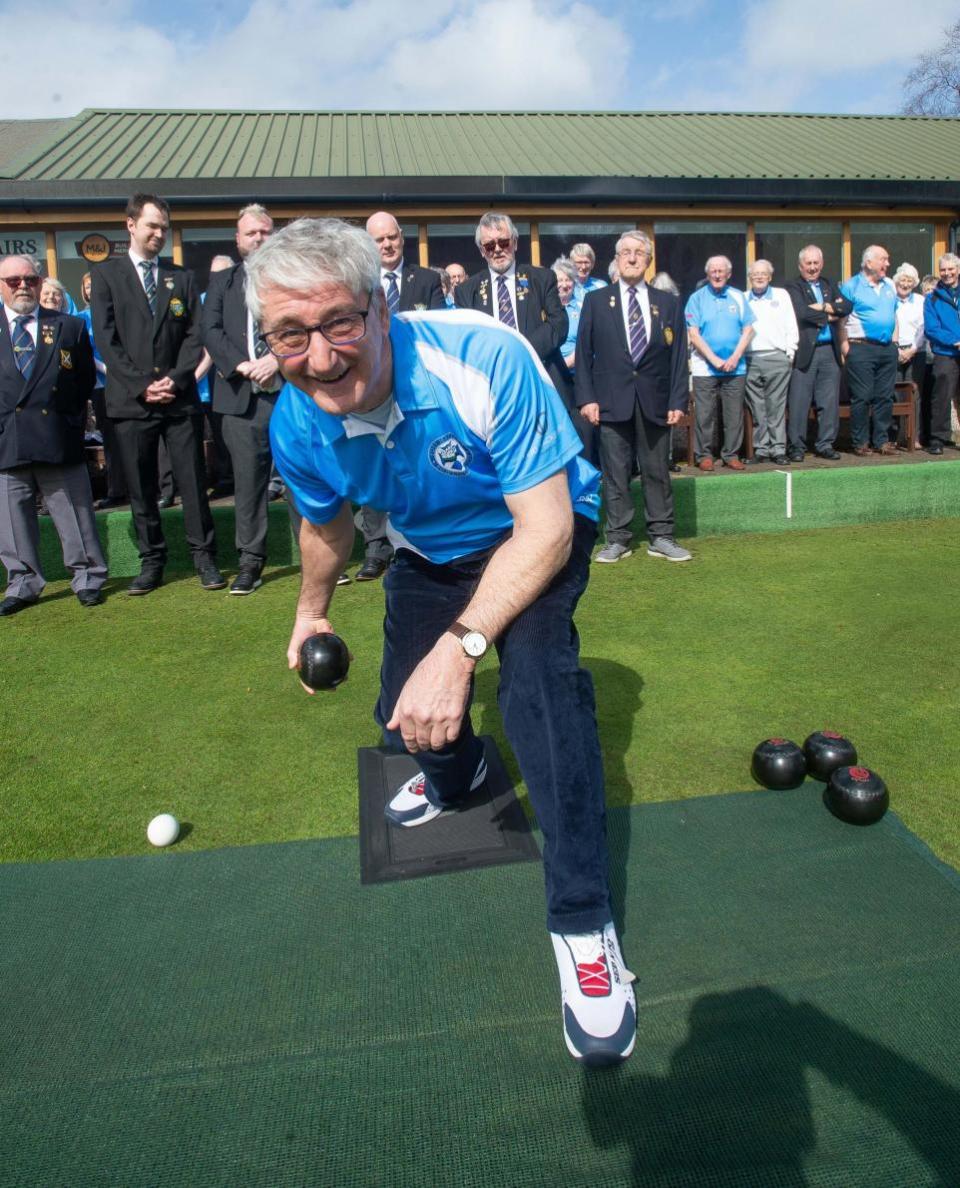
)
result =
(946, 384)
(620, 443)
(871, 375)
(139, 442)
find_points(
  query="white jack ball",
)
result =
(163, 830)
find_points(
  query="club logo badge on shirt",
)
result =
(449, 456)
(177, 308)
(66, 360)
(420, 305)
(668, 335)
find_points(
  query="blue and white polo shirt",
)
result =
(473, 417)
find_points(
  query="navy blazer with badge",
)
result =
(811, 321)
(606, 374)
(420, 288)
(42, 418)
(139, 347)
(225, 337)
(541, 318)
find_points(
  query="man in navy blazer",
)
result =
(46, 378)
(245, 388)
(146, 322)
(632, 382)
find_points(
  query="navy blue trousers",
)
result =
(548, 710)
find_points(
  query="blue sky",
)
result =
(741, 55)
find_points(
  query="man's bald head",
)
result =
(385, 232)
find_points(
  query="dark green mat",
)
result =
(256, 1017)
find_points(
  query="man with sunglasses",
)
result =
(525, 298)
(447, 422)
(46, 378)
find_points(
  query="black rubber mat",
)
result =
(489, 830)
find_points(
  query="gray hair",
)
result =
(725, 259)
(638, 237)
(907, 272)
(765, 265)
(613, 270)
(312, 252)
(811, 247)
(219, 263)
(491, 221)
(256, 210)
(870, 252)
(565, 265)
(30, 260)
(54, 284)
(583, 249)
(665, 283)
(946, 258)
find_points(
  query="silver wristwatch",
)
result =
(474, 643)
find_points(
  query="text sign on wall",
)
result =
(20, 243)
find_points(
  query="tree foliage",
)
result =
(932, 87)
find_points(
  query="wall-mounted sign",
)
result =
(21, 244)
(94, 248)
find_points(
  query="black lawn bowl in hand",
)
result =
(779, 764)
(826, 751)
(324, 660)
(856, 795)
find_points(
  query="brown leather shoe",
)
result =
(734, 464)
(887, 449)
(706, 465)
(862, 451)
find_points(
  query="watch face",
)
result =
(474, 644)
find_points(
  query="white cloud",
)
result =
(448, 54)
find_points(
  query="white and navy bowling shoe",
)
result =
(599, 1006)
(410, 805)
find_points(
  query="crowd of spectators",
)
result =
(809, 348)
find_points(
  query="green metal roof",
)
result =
(193, 146)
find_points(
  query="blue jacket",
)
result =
(941, 320)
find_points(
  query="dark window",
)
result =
(682, 250)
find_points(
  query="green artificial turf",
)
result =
(182, 702)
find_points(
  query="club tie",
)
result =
(149, 284)
(504, 303)
(638, 332)
(393, 294)
(260, 347)
(23, 349)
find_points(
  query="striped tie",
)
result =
(393, 294)
(638, 332)
(149, 284)
(260, 347)
(504, 304)
(23, 349)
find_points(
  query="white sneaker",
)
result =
(599, 1006)
(611, 553)
(666, 546)
(410, 805)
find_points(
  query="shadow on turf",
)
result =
(734, 1108)
(617, 689)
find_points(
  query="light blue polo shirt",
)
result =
(720, 317)
(874, 309)
(474, 417)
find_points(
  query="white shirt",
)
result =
(510, 276)
(137, 261)
(32, 325)
(643, 300)
(397, 270)
(908, 334)
(776, 326)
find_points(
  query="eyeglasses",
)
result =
(295, 340)
(489, 246)
(16, 281)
